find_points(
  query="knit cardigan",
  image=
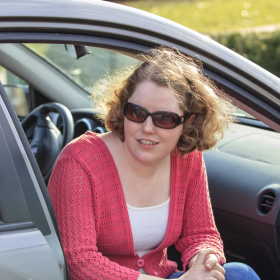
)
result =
(93, 219)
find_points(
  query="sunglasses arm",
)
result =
(184, 118)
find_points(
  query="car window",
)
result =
(242, 114)
(9, 78)
(87, 70)
(17, 91)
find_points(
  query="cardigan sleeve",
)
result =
(199, 230)
(70, 189)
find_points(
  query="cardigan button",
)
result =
(140, 263)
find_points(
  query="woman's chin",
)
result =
(147, 158)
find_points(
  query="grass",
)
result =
(210, 16)
(261, 48)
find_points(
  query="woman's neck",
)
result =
(144, 170)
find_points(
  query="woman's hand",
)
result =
(211, 263)
(204, 265)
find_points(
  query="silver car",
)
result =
(51, 55)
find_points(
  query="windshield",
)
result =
(87, 70)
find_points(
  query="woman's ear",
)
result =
(191, 119)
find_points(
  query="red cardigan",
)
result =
(93, 219)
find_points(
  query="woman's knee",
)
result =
(239, 271)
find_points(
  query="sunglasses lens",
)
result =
(165, 120)
(161, 119)
(135, 113)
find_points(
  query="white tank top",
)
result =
(148, 225)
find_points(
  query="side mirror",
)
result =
(76, 51)
(18, 96)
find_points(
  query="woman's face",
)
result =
(146, 142)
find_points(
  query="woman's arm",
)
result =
(70, 189)
(199, 230)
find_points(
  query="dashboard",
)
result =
(244, 182)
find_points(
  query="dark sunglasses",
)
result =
(162, 119)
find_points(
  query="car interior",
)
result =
(49, 87)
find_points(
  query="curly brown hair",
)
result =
(195, 93)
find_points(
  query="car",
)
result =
(51, 55)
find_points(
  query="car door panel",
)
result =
(10, 204)
(19, 180)
(32, 248)
(26, 254)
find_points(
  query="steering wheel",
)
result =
(45, 139)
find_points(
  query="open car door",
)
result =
(29, 239)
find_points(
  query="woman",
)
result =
(123, 197)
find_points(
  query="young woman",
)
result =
(123, 197)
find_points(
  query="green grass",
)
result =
(214, 15)
(261, 48)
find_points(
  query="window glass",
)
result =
(17, 91)
(86, 70)
(242, 114)
(9, 78)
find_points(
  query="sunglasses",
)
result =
(162, 119)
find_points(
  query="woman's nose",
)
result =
(148, 125)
